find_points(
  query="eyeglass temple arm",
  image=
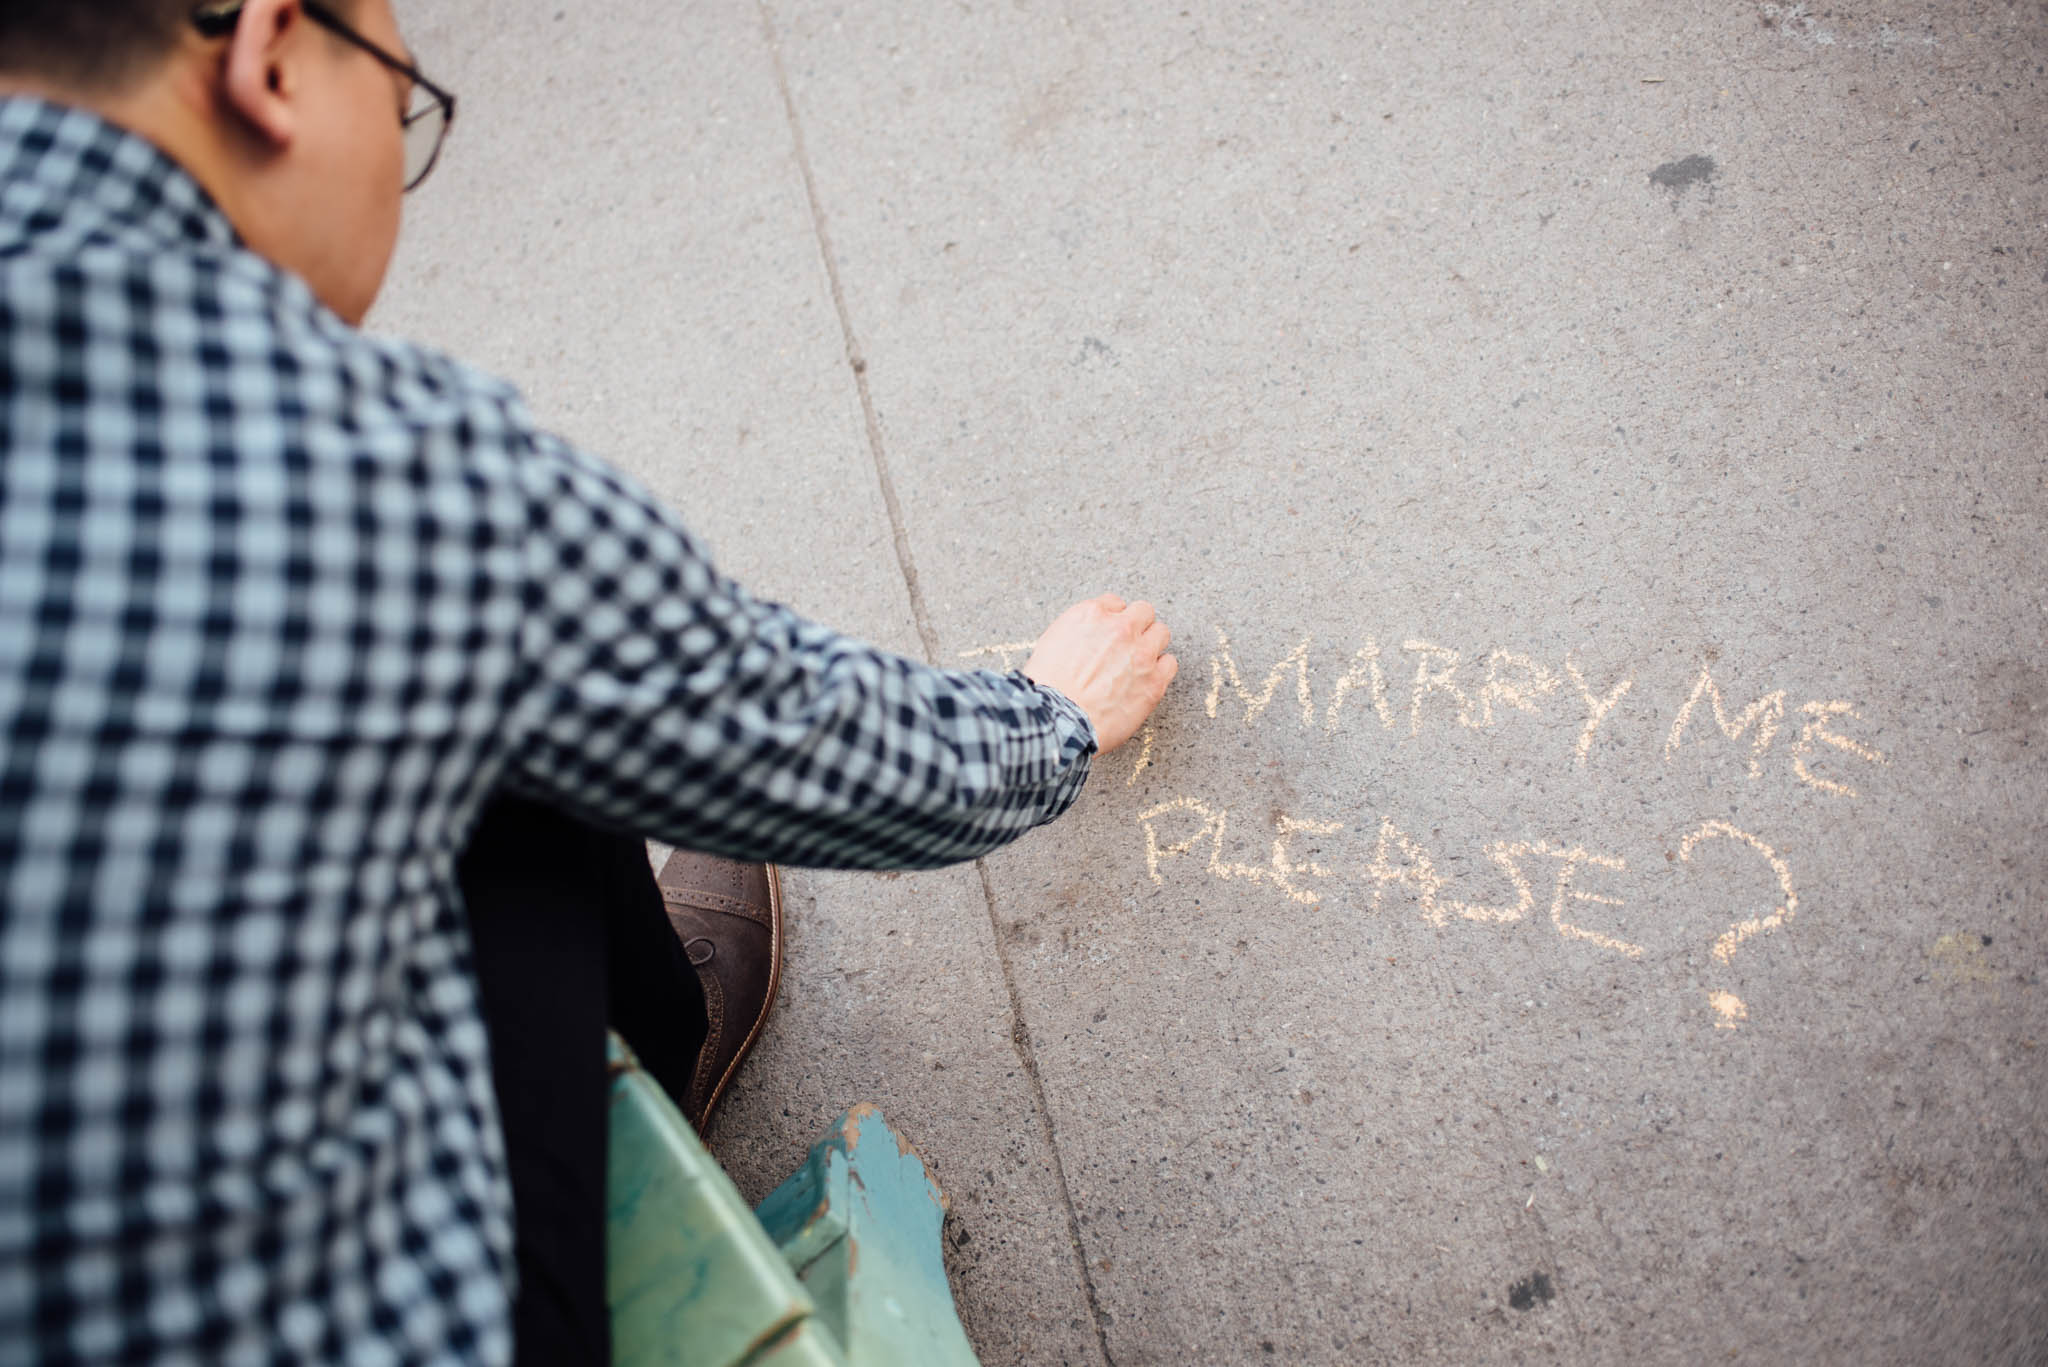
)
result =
(218, 19)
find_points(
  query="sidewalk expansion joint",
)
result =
(1020, 1032)
(855, 360)
(1027, 1058)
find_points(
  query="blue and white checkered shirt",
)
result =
(280, 605)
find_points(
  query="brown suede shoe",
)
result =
(729, 918)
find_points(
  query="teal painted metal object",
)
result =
(842, 1267)
(689, 1275)
(860, 1221)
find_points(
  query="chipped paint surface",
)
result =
(861, 1222)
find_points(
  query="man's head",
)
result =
(293, 126)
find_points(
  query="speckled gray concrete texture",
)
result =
(1582, 900)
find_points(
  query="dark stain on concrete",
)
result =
(1095, 349)
(1531, 1289)
(1678, 176)
(2012, 708)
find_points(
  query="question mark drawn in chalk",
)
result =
(1726, 1004)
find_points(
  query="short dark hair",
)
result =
(95, 44)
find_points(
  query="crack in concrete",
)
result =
(1020, 1041)
(854, 359)
(1020, 1030)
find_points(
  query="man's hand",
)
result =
(1110, 657)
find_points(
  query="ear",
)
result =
(260, 72)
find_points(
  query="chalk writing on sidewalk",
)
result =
(1446, 687)
(1401, 869)
(1403, 694)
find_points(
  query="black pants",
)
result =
(570, 937)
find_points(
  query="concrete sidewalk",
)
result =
(1582, 900)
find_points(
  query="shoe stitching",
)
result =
(696, 899)
(714, 1015)
(767, 1002)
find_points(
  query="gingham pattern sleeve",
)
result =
(663, 698)
(281, 604)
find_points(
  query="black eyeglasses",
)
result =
(425, 125)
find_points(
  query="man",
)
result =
(317, 655)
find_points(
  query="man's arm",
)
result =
(661, 697)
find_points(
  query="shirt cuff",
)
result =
(1074, 735)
